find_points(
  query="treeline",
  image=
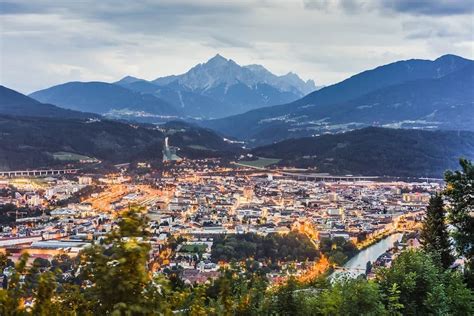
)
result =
(10, 212)
(414, 285)
(337, 250)
(272, 247)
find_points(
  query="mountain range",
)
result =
(14, 103)
(414, 93)
(411, 95)
(217, 88)
(106, 99)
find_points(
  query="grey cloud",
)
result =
(424, 29)
(317, 4)
(224, 41)
(7, 7)
(324, 40)
(430, 7)
(352, 5)
(413, 7)
(347, 6)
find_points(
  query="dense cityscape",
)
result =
(200, 200)
(204, 218)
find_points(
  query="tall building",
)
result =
(169, 152)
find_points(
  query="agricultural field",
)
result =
(260, 162)
(67, 156)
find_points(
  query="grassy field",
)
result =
(192, 248)
(200, 147)
(66, 156)
(260, 162)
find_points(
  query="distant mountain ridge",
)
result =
(14, 103)
(219, 71)
(106, 99)
(220, 87)
(364, 99)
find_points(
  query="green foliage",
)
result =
(344, 297)
(240, 290)
(422, 285)
(44, 294)
(117, 270)
(414, 285)
(394, 307)
(434, 234)
(338, 250)
(273, 247)
(12, 297)
(62, 262)
(460, 194)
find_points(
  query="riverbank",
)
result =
(357, 264)
(369, 242)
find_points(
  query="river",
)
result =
(357, 264)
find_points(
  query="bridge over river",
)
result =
(36, 172)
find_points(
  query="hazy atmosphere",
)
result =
(323, 40)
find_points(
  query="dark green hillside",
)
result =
(197, 142)
(376, 151)
(31, 142)
(28, 142)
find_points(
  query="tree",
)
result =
(368, 267)
(198, 304)
(117, 271)
(11, 299)
(460, 194)
(225, 293)
(394, 307)
(359, 297)
(286, 301)
(434, 234)
(44, 294)
(415, 274)
(461, 298)
(345, 296)
(424, 288)
(62, 262)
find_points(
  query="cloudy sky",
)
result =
(46, 42)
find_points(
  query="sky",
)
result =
(48, 42)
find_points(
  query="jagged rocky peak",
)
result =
(220, 70)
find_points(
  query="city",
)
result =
(236, 158)
(198, 200)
